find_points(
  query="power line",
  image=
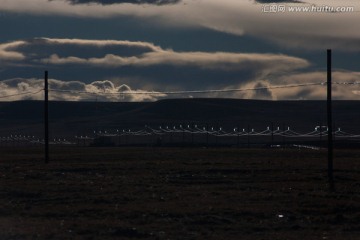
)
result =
(346, 83)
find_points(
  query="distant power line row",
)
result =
(181, 129)
(33, 140)
(220, 132)
(131, 92)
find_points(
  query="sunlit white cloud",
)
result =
(8, 54)
(340, 90)
(263, 64)
(29, 89)
(99, 43)
(268, 90)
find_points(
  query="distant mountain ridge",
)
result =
(69, 117)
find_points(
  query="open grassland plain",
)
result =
(177, 193)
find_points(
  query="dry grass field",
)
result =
(178, 193)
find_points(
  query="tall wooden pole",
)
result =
(46, 117)
(329, 123)
(272, 133)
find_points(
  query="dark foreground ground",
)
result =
(152, 193)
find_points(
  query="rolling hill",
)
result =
(68, 118)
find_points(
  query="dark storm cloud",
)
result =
(263, 93)
(278, 1)
(108, 2)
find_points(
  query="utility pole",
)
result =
(272, 133)
(46, 117)
(329, 123)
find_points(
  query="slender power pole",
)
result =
(46, 117)
(329, 122)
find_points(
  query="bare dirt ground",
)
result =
(159, 193)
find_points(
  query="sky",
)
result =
(120, 48)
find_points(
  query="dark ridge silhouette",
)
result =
(67, 118)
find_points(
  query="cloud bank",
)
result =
(73, 91)
(150, 55)
(301, 29)
(107, 90)
(8, 54)
(251, 70)
(151, 65)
